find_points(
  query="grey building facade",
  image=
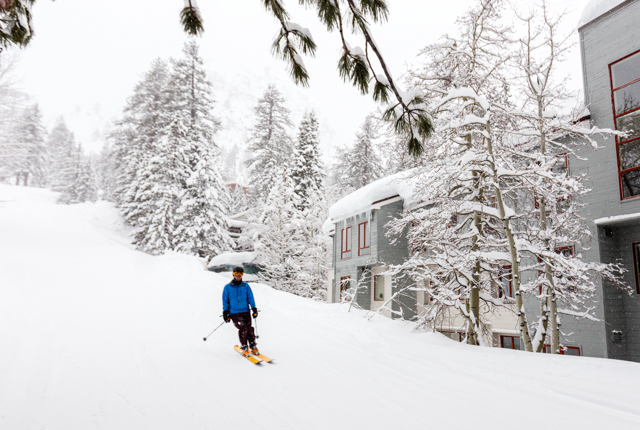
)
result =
(362, 250)
(610, 50)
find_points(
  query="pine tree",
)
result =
(270, 147)
(106, 170)
(86, 189)
(29, 135)
(201, 223)
(77, 179)
(279, 242)
(360, 164)
(61, 147)
(145, 124)
(307, 171)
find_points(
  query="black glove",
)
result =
(225, 316)
(254, 312)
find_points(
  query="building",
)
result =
(362, 253)
(610, 49)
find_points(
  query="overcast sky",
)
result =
(87, 55)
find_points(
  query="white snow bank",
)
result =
(596, 8)
(400, 184)
(232, 258)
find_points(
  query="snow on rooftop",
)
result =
(595, 9)
(400, 184)
(232, 258)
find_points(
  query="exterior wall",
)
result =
(602, 42)
(622, 311)
(395, 253)
(359, 268)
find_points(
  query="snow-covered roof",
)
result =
(232, 258)
(400, 184)
(596, 8)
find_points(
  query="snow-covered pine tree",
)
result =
(11, 104)
(308, 179)
(86, 187)
(270, 147)
(201, 218)
(145, 123)
(160, 180)
(307, 170)
(29, 135)
(77, 180)
(106, 171)
(279, 242)
(358, 165)
(61, 146)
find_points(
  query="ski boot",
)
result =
(254, 349)
(245, 350)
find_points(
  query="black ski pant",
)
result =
(242, 321)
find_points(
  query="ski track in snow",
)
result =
(96, 335)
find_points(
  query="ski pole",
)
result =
(205, 338)
(255, 320)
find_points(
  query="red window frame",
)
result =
(636, 264)
(547, 349)
(344, 285)
(513, 338)
(619, 143)
(364, 238)
(557, 251)
(345, 243)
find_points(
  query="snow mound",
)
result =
(595, 9)
(232, 258)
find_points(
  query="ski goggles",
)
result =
(238, 273)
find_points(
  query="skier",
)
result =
(237, 299)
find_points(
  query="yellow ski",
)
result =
(251, 358)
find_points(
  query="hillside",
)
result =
(95, 335)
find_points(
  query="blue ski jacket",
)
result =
(237, 298)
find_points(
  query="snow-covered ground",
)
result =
(94, 335)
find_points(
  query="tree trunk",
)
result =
(523, 325)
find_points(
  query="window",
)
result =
(636, 259)
(378, 288)
(346, 243)
(625, 98)
(562, 167)
(506, 286)
(565, 350)
(344, 286)
(364, 238)
(567, 251)
(510, 342)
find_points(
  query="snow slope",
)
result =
(94, 335)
